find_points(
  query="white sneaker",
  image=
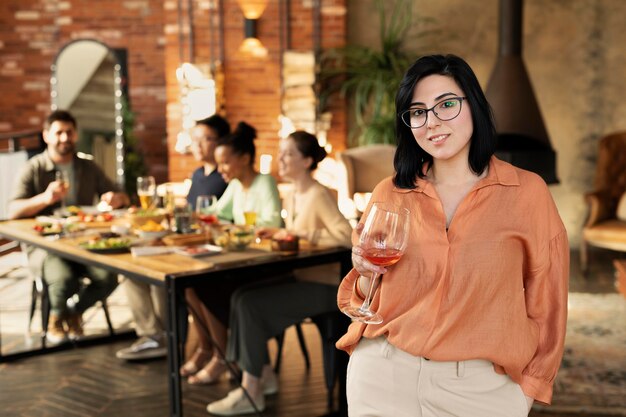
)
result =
(144, 348)
(269, 382)
(235, 403)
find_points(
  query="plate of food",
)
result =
(107, 245)
(48, 229)
(199, 250)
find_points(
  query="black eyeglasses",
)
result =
(445, 110)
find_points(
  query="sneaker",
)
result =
(145, 347)
(56, 332)
(74, 326)
(236, 403)
(269, 382)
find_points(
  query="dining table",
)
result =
(176, 271)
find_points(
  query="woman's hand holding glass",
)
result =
(383, 239)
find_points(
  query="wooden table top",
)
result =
(155, 267)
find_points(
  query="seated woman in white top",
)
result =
(259, 314)
(247, 190)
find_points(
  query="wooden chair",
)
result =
(280, 339)
(602, 228)
(331, 326)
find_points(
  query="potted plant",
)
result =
(370, 77)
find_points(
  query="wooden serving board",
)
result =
(187, 239)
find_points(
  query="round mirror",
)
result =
(86, 81)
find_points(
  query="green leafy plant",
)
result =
(370, 78)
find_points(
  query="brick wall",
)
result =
(33, 31)
(252, 85)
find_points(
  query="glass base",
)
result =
(362, 315)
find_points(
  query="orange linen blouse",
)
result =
(493, 287)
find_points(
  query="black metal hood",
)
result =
(522, 136)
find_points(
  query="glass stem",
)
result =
(365, 307)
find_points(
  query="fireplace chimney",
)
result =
(522, 137)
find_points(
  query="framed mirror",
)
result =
(86, 80)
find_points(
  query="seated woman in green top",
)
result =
(247, 191)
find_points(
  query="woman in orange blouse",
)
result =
(475, 311)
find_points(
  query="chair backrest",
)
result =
(364, 167)
(10, 164)
(611, 167)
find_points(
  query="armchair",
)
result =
(364, 167)
(603, 229)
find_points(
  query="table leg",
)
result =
(173, 351)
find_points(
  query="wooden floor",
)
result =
(90, 381)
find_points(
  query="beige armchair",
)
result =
(363, 168)
(603, 229)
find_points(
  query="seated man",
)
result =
(148, 302)
(39, 192)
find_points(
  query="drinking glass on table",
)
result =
(182, 218)
(169, 199)
(146, 190)
(249, 212)
(205, 213)
(383, 239)
(64, 179)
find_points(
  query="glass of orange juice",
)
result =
(250, 217)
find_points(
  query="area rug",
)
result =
(592, 378)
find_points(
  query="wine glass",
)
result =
(64, 179)
(383, 239)
(205, 213)
(146, 190)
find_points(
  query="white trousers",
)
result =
(148, 303)
(385, 381)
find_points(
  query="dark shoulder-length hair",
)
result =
(410, 157)
(241, 141)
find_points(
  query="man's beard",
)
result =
(65, 149)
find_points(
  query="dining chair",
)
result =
(39, 295)
(331, 326)
(279, 351)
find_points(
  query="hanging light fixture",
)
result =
(252, 11)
